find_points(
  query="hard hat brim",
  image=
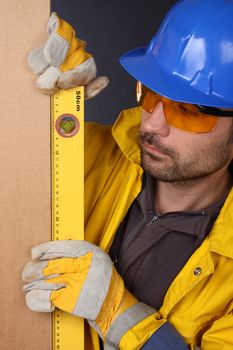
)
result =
(146, 69)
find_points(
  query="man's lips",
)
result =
(152, 149)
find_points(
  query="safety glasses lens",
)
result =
(180, 115)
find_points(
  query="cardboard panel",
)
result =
(25, 217)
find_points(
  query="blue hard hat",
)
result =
(190, 59)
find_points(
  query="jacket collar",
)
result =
(125, 132)
(221, 235)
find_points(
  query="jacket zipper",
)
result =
(155, 217)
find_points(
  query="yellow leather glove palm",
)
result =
(62, 61)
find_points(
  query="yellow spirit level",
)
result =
(67, 143)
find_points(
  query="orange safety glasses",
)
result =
(180, 115)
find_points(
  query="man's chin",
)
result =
(171, 175)
(156, 170)
(160, 170)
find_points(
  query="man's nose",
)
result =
(155, 122)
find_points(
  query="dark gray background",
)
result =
(112, 28)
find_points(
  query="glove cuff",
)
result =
(61, 42)
(125, 322)
(110, 305)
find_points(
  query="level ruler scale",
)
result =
(67, 148)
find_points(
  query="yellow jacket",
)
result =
(199, 302)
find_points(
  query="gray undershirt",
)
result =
(149, 249)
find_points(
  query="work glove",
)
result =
(79, 278)
(63, 63)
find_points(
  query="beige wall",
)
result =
(24, 171)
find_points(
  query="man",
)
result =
(163, 210)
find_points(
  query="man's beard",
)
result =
(170, 168)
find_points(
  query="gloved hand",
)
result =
(79, 277)
(62, 61)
